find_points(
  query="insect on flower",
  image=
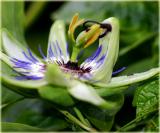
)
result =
(98, 67)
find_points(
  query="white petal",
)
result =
(11, 46)
(57, 35)
(110, 48)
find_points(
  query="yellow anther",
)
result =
(87, 38)
(92, 39)
(92, 31)
(73, 25)
(73, 22)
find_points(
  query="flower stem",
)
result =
(75, 53)
(137, 121)
(75, 120)
(80, 116)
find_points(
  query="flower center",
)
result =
(72, 67)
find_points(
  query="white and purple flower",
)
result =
(62, 69)
(98, 67)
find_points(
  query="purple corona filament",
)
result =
(41, 52)
(34, 69)
(31, 68)
(118, 71)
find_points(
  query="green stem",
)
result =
(80, 116)
(76, 121)
(132, 124)
(75, 53)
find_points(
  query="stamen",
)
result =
(102, 25)
(92, 39)
(73, 21)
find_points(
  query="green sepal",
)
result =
(128, 80)
(56, 95)
(55, 76)
(88, 94)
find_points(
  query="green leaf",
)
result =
(155, 50)
(152, 125)
(146, 102)
(13, 19)
(140, 120)
(130, 18)
(35, 113)
(17, 127)
(9, 97)
(102, 118)
(146, 97)
(137, 43)
(101, 121)
(56, 95)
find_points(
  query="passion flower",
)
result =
(98, 67)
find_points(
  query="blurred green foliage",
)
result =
(15, 19)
